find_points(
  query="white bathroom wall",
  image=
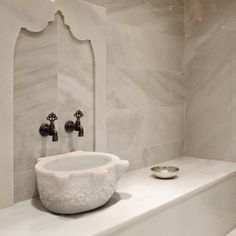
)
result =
(145, 81)
(210, 62)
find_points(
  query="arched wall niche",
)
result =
(86, 22)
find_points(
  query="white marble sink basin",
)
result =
(78, 181)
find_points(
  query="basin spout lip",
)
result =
(121, 167)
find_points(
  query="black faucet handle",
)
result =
(49, 129)
(79, 114)
(71, 126)
(52, 117)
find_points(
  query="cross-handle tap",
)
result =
(71, 126)
(49, 129)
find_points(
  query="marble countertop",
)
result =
(138, 194)
(232, 233)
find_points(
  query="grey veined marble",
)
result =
(210, 79)
(148, 15)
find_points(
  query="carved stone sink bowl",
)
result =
(78, 181)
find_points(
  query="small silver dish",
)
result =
(165, 172)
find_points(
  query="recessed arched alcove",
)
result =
(85, 24)
(53, 72)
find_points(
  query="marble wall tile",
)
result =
(129, 46)
(136, 157)
(142, 157)
(207, 17)
(165, 3)
(112, 5)
(155, 16)
(149, 88)
(213, 142)
(232, 40)
(217, 43)
(161, 125)
(177, 89)
(141, 128)
(75, 87)
(123, 129)
(174, 51)
(145, 80)
(208, 107)
(168, 17)
(210, 79)
(233, 77)
(70, 47)
(35, 75)
(172, 150)
(204, 71)
(231, 22)
(171, 124)
(202, 17)
(233, 107)
(25, 185)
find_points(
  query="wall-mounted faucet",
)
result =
(49, 129)
(71, 126)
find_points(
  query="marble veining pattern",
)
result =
(144, 49)
(130, 128)
(210, 79)
(150, 88)
(35, 84)
(148, 15)
(145, 80)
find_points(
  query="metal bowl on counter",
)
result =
(165, 172)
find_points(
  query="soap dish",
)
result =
(165, 172)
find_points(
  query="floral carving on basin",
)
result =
(78, 181)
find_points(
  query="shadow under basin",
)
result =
(116, 197)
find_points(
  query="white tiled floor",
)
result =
(232, 233)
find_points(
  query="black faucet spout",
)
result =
(81, 131)
(54, 135)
